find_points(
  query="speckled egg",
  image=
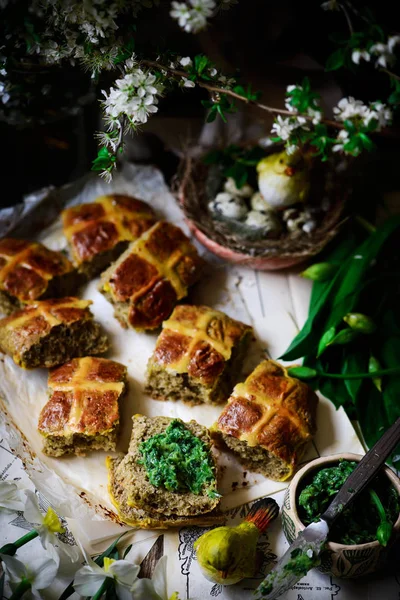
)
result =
(246, 191)
(226, 205)
(257, 202)
(263, 220)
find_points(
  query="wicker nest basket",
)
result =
(199, 183)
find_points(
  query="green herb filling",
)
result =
(178, 460)
(358, 524)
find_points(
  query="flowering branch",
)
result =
(221, 90)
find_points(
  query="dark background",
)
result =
(270, 44)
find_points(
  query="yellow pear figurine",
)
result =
(284, 179)
(228, 554)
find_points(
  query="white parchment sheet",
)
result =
(275, 304)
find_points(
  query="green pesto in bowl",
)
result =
(358, 524)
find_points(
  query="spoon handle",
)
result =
(366, 470)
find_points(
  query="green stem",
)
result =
(20, 590)
(10, 549)
(376, 500)
(107, 583)
(374, 375)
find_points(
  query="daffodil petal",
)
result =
(143, 589)
(42, 572)
(31, 511)
(159, 577)
(88, 581)
(124, 572)
(10, 496)
(15, 569)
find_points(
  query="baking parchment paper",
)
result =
(275, 304)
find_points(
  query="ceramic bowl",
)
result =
(339, 560)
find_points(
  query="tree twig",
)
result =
(232, 94)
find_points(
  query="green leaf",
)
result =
(335, 60)
(200, 63)
(354, 362)
(127, 550)
(384, 533)
(367, 142)
(339, 296)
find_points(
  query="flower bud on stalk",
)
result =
(359, 322)
(344, 337)
(320, 271)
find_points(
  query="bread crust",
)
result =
(151, 276)
(83, 403)
(25, 332)
(29, 271)
(273, 412)
(100, 231)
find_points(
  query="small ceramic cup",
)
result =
(340, 560)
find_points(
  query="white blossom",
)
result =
(291, 149)
(392, 42)
(186, 61)
(11, 498)
(348, 108)
(359, 54)
(284, 127)
(89, 578)
(192, 15)
(381, 113)
(385, 52)
(40, 572)
(316, 115)
(47, 526)
(213, 72)
(342, 139)
(133, 95)
(188, 82)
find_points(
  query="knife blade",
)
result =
(303, 553)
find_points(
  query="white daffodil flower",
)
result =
(91, 577)
(47, 526)
(11, 498)
(156, 587)
(39, 573)
(359, 54)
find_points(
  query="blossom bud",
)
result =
(359, 322)
(344, 337)
(302, 372)
(320, 271)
